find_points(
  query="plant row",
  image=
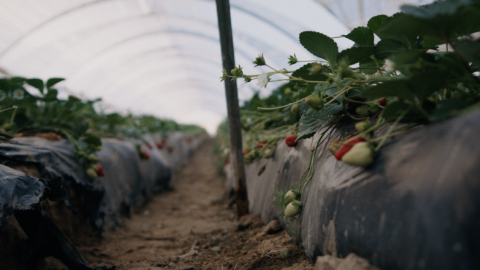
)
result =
(416, 67)
(44, 114)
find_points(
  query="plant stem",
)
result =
(13, 114)
(391, 129)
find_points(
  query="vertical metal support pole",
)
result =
(234, 125)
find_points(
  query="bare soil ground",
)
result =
(192, 227)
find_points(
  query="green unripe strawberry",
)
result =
(93, 158)
(362, 110)
(314, 102)
(374, 109)
(268, 153)
(295, 108)
(362, 126)
(80, 153)
(7, 126)
(91, 173)
(291, 196)
(360, 155)
(99, 148)
(293, 208)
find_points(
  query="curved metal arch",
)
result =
(95, 2)
(153, 83)
(152, 52)
(54, 18)
(162, 50)
(120, 43)
(173, 99)
(141, 74)
(262, 19)
(169, 104)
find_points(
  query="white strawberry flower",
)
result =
(18, 94)
(262, 80)
(390, 66)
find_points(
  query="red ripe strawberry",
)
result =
(260, 144)
(225, 161)
(290, 140)
(382, 102)
(99, 170)
(164, 140)
(159, 145)
(144, 154)
(347, 146)
(149, 145)
(355, 104)
(169, 148)
(189, 139)
(245, 152)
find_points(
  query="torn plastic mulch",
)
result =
(416, 207)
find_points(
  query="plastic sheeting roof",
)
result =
(163, 57)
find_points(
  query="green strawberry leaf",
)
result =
(446, 107)
(304, 73)
(356, 54)
(92, 140)
(37, 83)
(391, 110)
(331, 109)
(370, 66)
(404, 25)
(388, 46)
(52, 81)
(320, 45)
(469, 50)
(393, 88)
(426, 83)
(362, 36)
(376, 23)
(51, 95)
(310, 122)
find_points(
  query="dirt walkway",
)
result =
(192, 227)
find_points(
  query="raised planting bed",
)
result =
(416, 207)
(36, 169)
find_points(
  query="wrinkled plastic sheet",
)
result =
(128, 182)
(416, 207)
(18, 192)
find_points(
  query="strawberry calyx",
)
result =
(347, 147)
(334, 146)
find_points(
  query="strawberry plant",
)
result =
(403, 80)
(76, 120)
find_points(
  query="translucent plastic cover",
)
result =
(162, 57)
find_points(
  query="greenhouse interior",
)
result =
(239, 134)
